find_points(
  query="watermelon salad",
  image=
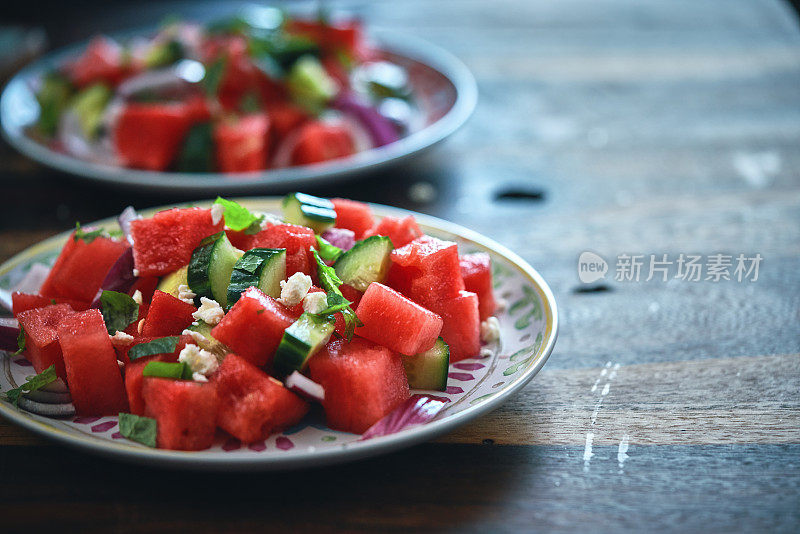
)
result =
(198, 321)
(259, 91)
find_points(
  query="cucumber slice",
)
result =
(314, 212)
(209, 343)
(428, 370)
(260, 267)
(211, 266)
(368, 261)
(170, 283)
(301, 341)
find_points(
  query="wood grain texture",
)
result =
(644, 127)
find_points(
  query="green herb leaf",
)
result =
(250, 103)
(86, 237)
(162, 345)
(140, 429)
(213, 76)
(20, 341)
(237, 217)
(210, 239)
(336, 303)
(168, 370)
(327, 251)
(119, 310)
(32, 384)
(330, 282)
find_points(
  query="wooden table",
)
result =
(618, 127)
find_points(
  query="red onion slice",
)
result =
(340, 237)
(9, 331)
(417, 410)
(119, 278)
(124, 219)
(380, 129)
(305, 387)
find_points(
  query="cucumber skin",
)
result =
(313, 212)
(425, 372)
(204, 275)
(241, 279)
(361, 283)
(293, 352)
(198, 275)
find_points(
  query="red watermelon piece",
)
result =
(396, 322)
(363, 382)
(103, 61)
(353, 215)
(317, 142)
(21, 302)
(476, 269)
(461, 328)
(133, 370)
(253, 405)
(149, 136)
(41, 336)
(146, 285)
(165, 242)
(242, 145)
(185, 412)
(81, 268)
(427, 271)
(167, 316)
(254, 326)
(93, 375)
(400, 231)
(297, 240)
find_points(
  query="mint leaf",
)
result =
(86, 237)
(330, 282)
(162, 345)
(140, 429)
(20, 341)
(336, 303)
(32, 384)
(168, 370)
(119, 310)
(213, 77)
(327, 251)
(239, 218)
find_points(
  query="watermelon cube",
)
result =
(242, 146)
(146, 285)
(363, 382)
(81, 268)
(353, 215)
(476, 269)
(254, 326)
(297, 240)
(21, 302)
(461, 328)
(148, 136)
(165, 242)
(400, 231)
(41, 336)
(253, 405)
(93, 375)
(167, 316)
(103, 61)
(318, 141)
(133, 369)
(185, 412)
(427, 271)
(396, 322)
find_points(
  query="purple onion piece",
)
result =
(9, 331)
(33, 279)
(340, 237)
(119, 278)
(305, 387)
(417, 410)
(124, 219)
(380, 129)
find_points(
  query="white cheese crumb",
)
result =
(185, 294)
(490, 330)
(294, 290)
(136, 272)
(121, 338)
(140, 326)
(210, 312)
(197, 377)
(216, 213)
(137, 297)
(199, 361)
(315, 302)
(500, 304)
(197, 336)
(121, 364)
(486, 352)
(268, 219)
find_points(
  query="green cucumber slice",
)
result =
(306, 210)
(428, 370)
(209, 343)
(260, 267)
(172, 281)
(301, 341)
(368, 261)
(211, 266)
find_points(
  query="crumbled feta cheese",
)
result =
(500, 304)
(294, 290)
(486, 352)
(185, 294)
(217, 210)
(197, 336)
(197, 377)
(140, 326)
(315, 302)
(199, 361)
(121, 364)
(121, 338)
(210, 312)
(490, 330)
(136, 272)
(137, 297)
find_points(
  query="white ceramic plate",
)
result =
(445, 90)
(528, 325)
